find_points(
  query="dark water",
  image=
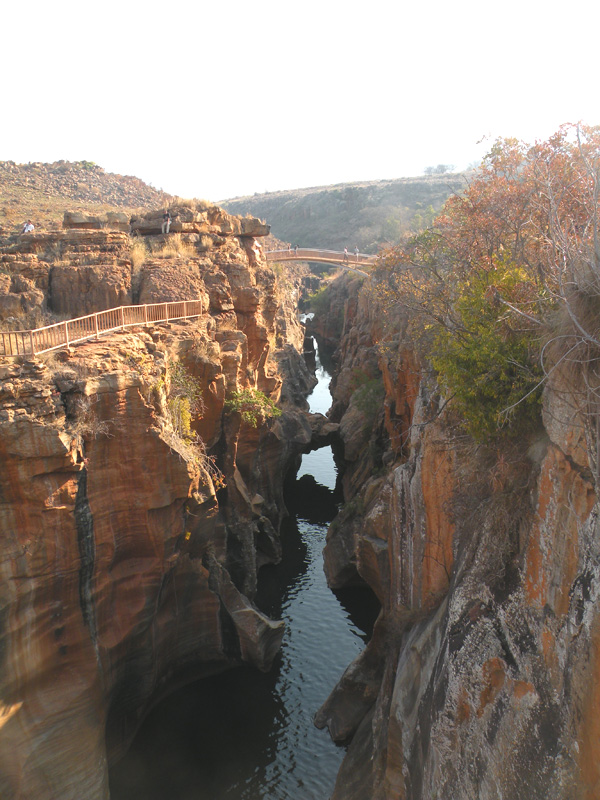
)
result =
(248, 736)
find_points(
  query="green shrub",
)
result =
(320, 302)
(368, 395)
(254, 406)
(489, 366)
(184, 402)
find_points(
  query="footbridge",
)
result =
(64, 334)
(352, 261)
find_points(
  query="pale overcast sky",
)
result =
(216, 100)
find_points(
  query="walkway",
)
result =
(81, 329)
(351, 261)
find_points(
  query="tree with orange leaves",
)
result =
(508, 274)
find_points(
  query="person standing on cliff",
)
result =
(166, 223)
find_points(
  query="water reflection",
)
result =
(246, 735)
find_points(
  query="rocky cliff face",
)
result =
(100, 262)
(482, 677)
(130, 550)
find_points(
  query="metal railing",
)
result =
(72, 331)
(350, 261)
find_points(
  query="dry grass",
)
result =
(138, 252)
(174, 247)
(84, 421)
(194, 203)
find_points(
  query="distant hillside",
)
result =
(366, 214)
(43, 192)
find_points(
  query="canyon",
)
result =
(132, 541)
(129, 554)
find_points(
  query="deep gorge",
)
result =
(138, 543)
(249, 735)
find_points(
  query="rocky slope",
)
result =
(482, 677)
(130, 546)
(43, 192)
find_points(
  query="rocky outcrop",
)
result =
(130, 548)
(485, 562)
(105, 261)
(117, 220)
(202, 219)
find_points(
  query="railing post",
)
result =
(166, 312)
(96, 326)
(145, 315)
(31, 343)
(122, 317)
(67, 333)
(185, 309)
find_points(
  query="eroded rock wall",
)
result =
(101, 262)
(486, 562)
(129, 555)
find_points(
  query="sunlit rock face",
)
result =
(485, 660)
(128, 558)
(101, 262)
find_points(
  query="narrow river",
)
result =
(243, 735)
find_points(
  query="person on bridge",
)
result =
(345, 254)
(296, 250)
(356, 252)
(166, 223)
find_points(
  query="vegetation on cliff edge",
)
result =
(503, 287)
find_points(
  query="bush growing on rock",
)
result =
(184, 401)
(492, 368)
(253, 406)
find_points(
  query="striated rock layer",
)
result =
(482, 677)
(130, 548)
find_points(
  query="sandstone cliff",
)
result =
(481, 679)
(130, 546)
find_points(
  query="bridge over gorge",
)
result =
(350, 261)
(81, 329)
